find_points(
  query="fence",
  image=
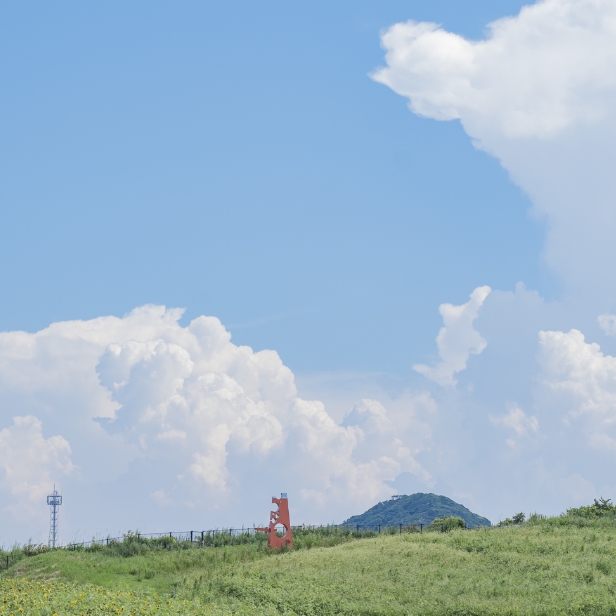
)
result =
(201, 537)
(8, 560)
(189, 536)
(209, 538)
(378, 528)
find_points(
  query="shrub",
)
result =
(600, 508)
(35, 549)
(412, 528)
(445, 524)
(518, 518)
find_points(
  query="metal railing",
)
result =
(207, 538)
(188, 536)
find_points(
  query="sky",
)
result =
(340, 251)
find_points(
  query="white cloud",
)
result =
(579, 381)
(29, 463)
(517, 420)
(538, 74)
(182, 417)
(539, 94)
(379, 436)
(457, 339)
(607, 322)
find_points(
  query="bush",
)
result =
(412, 528)
(445, 524)
(518, 518)
(600, 508)
(35, 549)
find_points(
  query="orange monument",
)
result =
(280, 519)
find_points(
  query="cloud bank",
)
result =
(142, 409)
(147, 423)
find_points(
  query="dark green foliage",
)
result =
(415, 509)
(444, 525)
(35, 550)
(599, 509)
(518, 518)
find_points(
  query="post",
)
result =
(191, 536)
(400, 528)
(358, 528)
(421, 529)
(7, 563)
(379, 528)
(202, 537)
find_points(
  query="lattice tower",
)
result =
(54, 500)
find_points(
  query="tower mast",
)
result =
(54, 500)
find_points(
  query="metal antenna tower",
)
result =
(54, 500)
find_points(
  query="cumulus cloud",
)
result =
(380, 436)
(538, 93)
(457, 339)
(548, 69)
(29, 463)
(519, 422)
(580, 381)
(184, 418)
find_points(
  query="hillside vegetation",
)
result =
(562, 565)
(414, 509)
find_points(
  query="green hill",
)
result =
(415, 509)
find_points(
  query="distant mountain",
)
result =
(416, 508)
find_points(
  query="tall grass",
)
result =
(563, 565)
(135, 544)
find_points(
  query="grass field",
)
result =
(556, 566)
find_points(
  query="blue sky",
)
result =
(236, 160)
(392, 302)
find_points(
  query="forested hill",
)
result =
(418, 509)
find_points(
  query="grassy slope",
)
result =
(160, 572)
(535, 569)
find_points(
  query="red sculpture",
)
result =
(279, 518)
